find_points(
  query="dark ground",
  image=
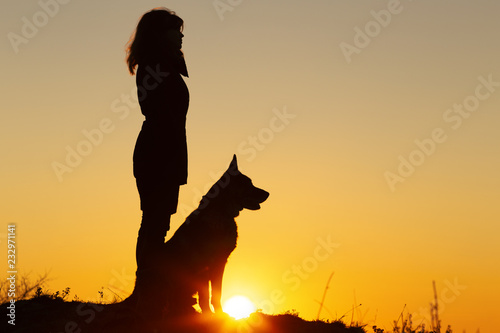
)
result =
(45, 314)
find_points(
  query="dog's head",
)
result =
(236, 190)
(249, 196)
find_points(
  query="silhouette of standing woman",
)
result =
(160, 155)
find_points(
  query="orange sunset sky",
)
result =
(374, 125)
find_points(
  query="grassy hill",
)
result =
(55, 315)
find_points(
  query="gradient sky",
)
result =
(373, 124)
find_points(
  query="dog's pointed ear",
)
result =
(234, 163)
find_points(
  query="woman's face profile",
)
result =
(174, 38)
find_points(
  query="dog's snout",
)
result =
(263, 195)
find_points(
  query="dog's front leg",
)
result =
(216, 273)
(204, 294)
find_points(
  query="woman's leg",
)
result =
(151, 237)
(158, 203)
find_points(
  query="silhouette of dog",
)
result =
(199, 249)
(193, 260)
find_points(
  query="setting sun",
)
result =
(239, 307)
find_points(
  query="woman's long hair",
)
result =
(147, 43)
